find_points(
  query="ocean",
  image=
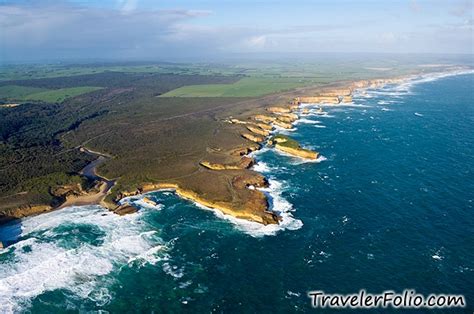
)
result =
(389, 206)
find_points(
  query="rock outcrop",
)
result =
(282, 124)
(264, 118)
(250, 204)
(264, 126)
(278, 110)
(27, 210)
(237, 121)
(291, 116)
(149, 201)
(125, 209)
(318, 99)
(257, 130)
(298, 152)
(337, 92)
(287, 118)
(290, 146)
(346, 99)
(241, 151)
(253, 138)
(244, 163)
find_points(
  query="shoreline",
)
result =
(90, 172)
(355, 85)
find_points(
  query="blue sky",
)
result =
(166, 30)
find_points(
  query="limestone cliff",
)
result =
(318, 99)
(290, 146)
(346, 99)
(292, 116)
(245, 203)
(336, 92)
(264, 118)
(244, 163)
(241, 151)
(27, 210)
(298, 152)
(282, 124)
(286, 118)
(257, 130)
(253, 138)
(264, 126)
(278, 110)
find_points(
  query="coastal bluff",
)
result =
(290, 146)
(227, 192)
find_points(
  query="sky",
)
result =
(35, 30)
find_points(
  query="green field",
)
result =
(27, 72)
(246, 87)
(59, 95)
(18, 92)
(25, 93)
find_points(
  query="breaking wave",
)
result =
(278, 204)
(307, 121)
(261, 167)
(73, 249)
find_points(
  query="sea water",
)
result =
(388, 206)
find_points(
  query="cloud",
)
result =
(127, 5)
(462, 9)
(256, 42)
(59, 29)
(415, 6)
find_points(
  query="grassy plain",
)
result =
(27, 93)
(59, 95)
(246, 87)
(14, 92)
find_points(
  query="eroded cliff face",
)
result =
(257, 130)
(264, 126)
(282, 124)
(375, 83)
(28, 210)
(290, 146)
(242, 151)
(227, 191)
(318, 99)
(253, 138)
(243, 163)
(65, 195)
(297, 152)
(278, 109)
(264, 118)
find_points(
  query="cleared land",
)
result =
(26, 93)
(246, 87)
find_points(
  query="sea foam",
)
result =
(44, 262)
(278, 204)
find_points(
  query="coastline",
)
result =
(341, 209)
(189, 194)
(290, 108)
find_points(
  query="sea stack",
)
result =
(290, 146)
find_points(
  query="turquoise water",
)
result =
(389, 207)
